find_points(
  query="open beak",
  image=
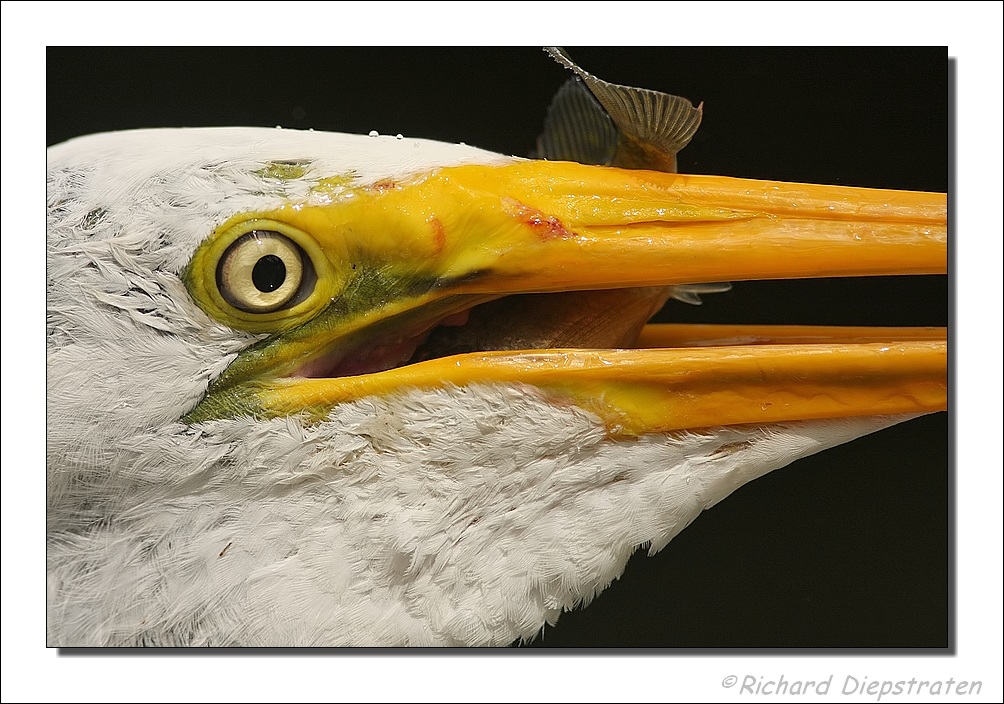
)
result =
(393, 260)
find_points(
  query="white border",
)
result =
(972, 32)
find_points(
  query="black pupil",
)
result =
(268, 274)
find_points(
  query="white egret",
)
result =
(96, 216)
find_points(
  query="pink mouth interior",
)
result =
(580, 319)
(376, 356)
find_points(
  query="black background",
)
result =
(846, 549)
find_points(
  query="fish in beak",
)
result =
(544, 272)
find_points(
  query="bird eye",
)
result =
(262, 272)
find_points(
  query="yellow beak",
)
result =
(397, 256)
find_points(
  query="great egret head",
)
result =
(199, 349)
